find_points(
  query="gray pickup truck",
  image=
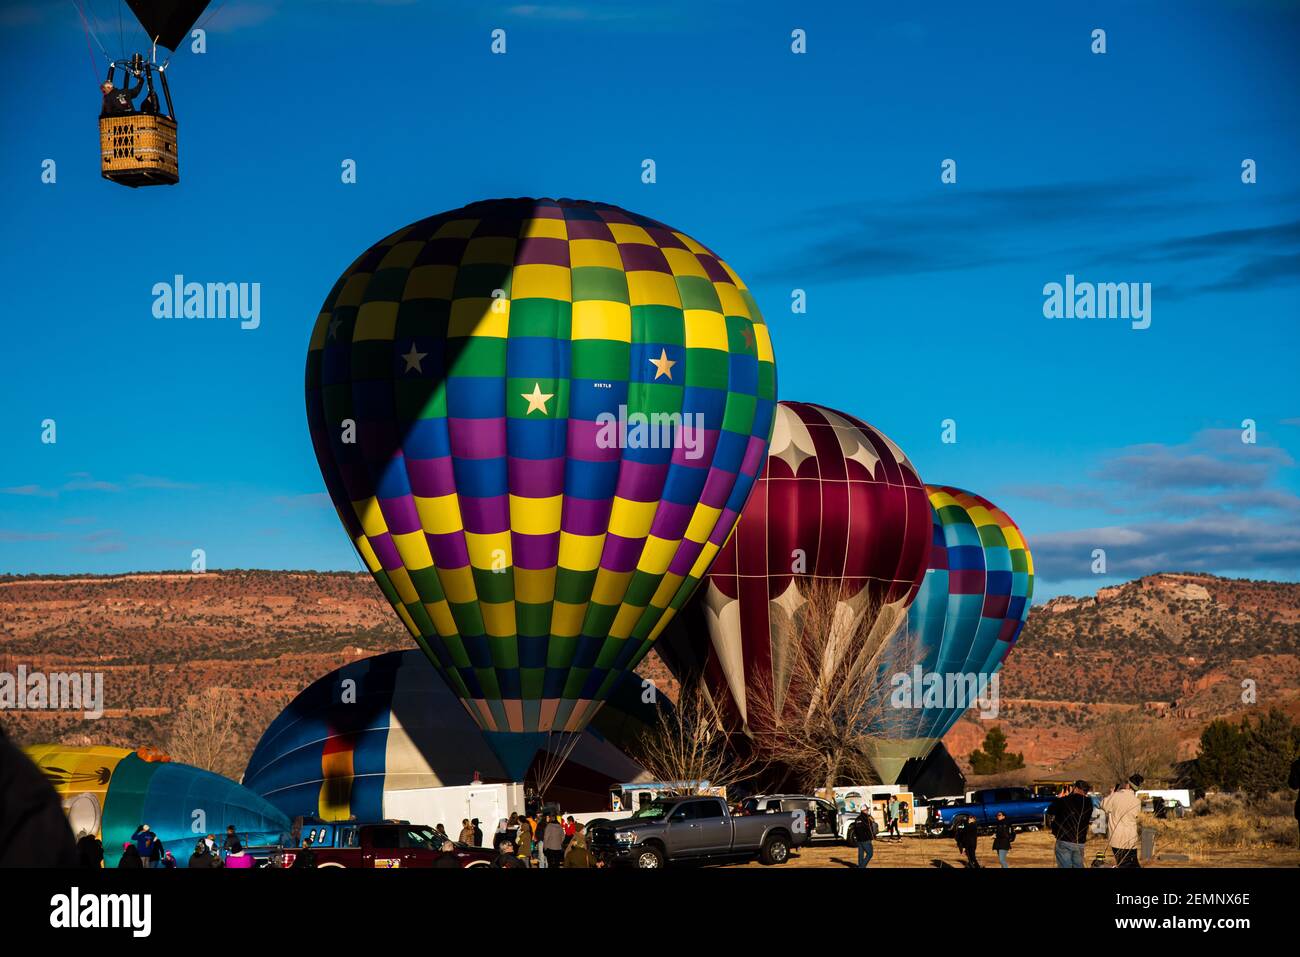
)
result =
(672, 829)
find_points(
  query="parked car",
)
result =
(1023, 810)
(672, 829)
(385, 844)
(823, 819)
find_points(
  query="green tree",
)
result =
(993, 757)
(1266, 759)
(1218, 762)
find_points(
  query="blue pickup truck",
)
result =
(1023, 810)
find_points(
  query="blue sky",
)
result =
(818, 171)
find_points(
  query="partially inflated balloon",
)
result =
(837, 503)
(970, 608)
(538, 420)
(109, 792)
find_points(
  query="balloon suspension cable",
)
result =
(153, 53)
(559, 745)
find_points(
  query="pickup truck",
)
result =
(387, 844)
(1023, 810)
(670, 829)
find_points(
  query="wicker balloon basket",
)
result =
(139, 149)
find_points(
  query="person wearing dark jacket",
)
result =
(1071, 817)
(130, 859)
(306, 857)
(90, 852)
(478, 832)
(232, 844)
(448, 856)
(507, 858)
(117, 100)
(966, 833)
(34, 830)
(200, 859)
(863, 832)
(1004, 836)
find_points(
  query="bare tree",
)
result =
(822, 708)
(689, 746)
(1124, 743)
(205, 732)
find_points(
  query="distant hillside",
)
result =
(1176, 646)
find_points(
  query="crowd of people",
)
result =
(542, 841)
(145, 849)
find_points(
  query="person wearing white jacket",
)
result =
(1122, 807)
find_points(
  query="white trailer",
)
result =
(449, 806)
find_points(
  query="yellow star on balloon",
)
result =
(537, 400)
(663, 365)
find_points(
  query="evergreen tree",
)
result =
(1218, 763)
(1266, 760)
(993, 757)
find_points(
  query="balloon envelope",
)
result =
(838, 503)
(538, 421)
(968, 613)
(109, 792)
(167, 21)
(398, 727)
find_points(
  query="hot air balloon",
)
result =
(139, 147)
(109, 792)
(538, 420)
(837, 503)
(969, 610)
(400, 730)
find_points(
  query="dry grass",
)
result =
(1036, 850)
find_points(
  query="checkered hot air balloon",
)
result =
(969, 611)
(838, 505)
(538, 420)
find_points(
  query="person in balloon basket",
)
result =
(119, 101)
(1004, 835)
(863, 832)
(967, 834)
(1071, 817)
(1122, 807)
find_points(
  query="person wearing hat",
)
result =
(1070, 817)
(1122, 807)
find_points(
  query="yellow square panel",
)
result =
(610, 587)
(404, 586)
(401, 255)
(542, 227)
(648, 288)
(632, 519)
(625, 621)
(702, 522)
(566, 619)
(414, 549)
(392, 239)
(353, 290)
(407, 620)
(498, 618)
(627, 233)
(440, 514)
(457, 229)
(320, 331)
(762, 343)
(597, 319)
(705, 329)
(683, 263)
(541, 281)
(478, 317)
(370, 516)
(458, 584)
(367, 553)
(430, 282)
(375, 320)
(488, 552)
(690, 244)
(535, 586)
(657, 554)
(704, 561)
(535, 516)
(440, 612)
(732, 302)
(580, 553)
(490, 249)
(667, 589)
(594, 252)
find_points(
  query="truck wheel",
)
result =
(776, 850)
(650, 857)
(477, 864)
(329, 864)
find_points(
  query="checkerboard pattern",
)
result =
(975, 596)
(456, 379)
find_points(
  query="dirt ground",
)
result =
(1030, 850)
